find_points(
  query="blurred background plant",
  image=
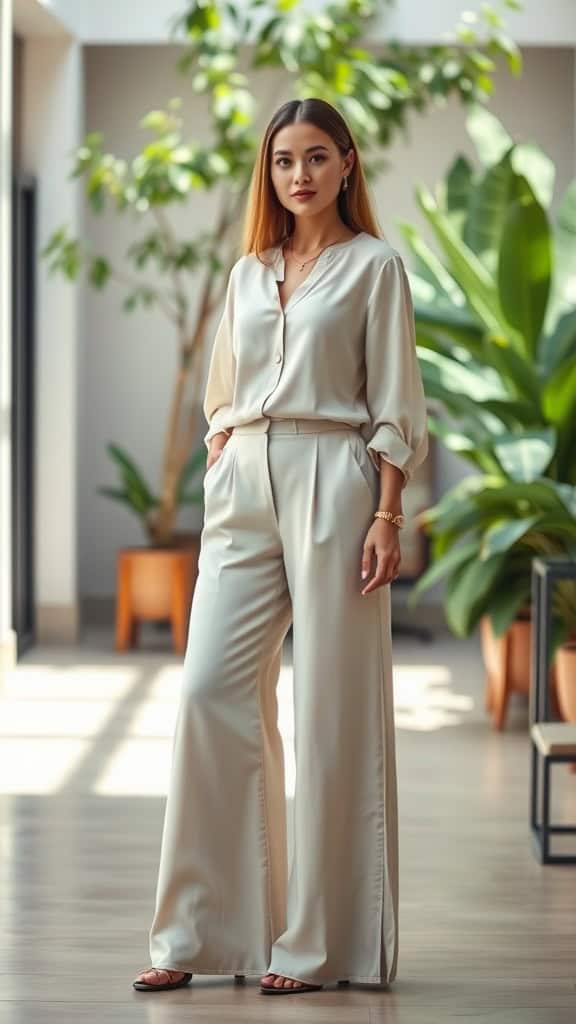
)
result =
(321, 54)
(496, 332)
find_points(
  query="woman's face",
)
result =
(305, 159)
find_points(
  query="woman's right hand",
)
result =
(217, 445)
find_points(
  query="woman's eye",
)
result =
(283, 160)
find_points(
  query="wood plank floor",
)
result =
(486, 933)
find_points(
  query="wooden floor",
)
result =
(486, 933)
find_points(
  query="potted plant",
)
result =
(320, 51)
(496, 331)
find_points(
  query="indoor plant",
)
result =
(496, 330)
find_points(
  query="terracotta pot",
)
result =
(566, 680)
(507, 663)
(155, 584)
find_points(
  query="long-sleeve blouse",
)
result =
(343, 348)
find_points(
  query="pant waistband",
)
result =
(267, 424)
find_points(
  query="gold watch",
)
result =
(398, 519)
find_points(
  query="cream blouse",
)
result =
(344, 348)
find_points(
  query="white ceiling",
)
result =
(148, 21)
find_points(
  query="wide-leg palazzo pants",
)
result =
(287, 508)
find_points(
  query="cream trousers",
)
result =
(287, 508)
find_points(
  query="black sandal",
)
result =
(282, 990)
(145, 986)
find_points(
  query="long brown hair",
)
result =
(267, 223)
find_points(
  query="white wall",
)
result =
(52, 115)
(129, 361)
(7, 635)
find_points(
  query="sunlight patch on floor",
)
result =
(425, 698)
(54, 717)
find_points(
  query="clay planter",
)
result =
(507, 663)
(156, 584)
(566, 683)
(566, 680)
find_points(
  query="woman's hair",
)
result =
(267, 222)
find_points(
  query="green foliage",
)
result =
(323, 50)
(63, 254)
(496, 330)
(134, 491)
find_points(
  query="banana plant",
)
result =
(495, 307)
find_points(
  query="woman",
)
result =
(317, 420)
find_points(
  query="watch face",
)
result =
(401, 520)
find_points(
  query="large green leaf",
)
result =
(560, 345)
(513, 412)
(507, 602)
(531, 162)
(460, 402)
(429, 266)
(491, 198)
(487, 209)
(459, 379)
(517, 372)
(557, 528)
(120, 495)
(488, 134)
(451, 326)
(564, 279)
(135, 485)
(526, 458)
(468, 590)
(567, 496)
(503, 534)
(524, 266)
(441, 568)
(453, 440)
(559, 396)
(467, 270)
(501, 497)
(459, 184)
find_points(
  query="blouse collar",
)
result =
(278, 260)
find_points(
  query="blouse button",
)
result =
(278, 357)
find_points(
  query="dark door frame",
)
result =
(23, 408)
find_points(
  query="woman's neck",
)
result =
(310, 236)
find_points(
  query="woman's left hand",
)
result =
(381, 541)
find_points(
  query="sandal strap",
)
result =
(159, 970)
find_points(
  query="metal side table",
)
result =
(551, 742)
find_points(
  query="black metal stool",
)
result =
(551, 742)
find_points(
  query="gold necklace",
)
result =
(304, 262)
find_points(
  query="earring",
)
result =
(345, 183)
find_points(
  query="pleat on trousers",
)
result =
(287, 507)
